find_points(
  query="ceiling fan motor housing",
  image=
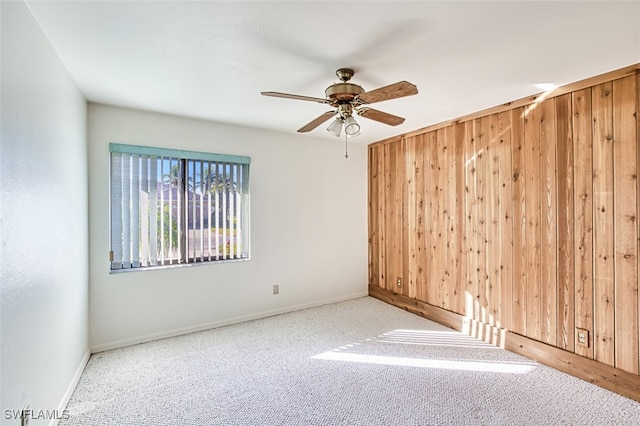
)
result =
(343, 91)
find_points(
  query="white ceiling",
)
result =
(211, 59)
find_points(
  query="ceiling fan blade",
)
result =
(316, 122)
(299, 97)
(392, 91)
(382, 117)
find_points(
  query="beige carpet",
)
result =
(360, 362)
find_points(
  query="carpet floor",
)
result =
(359, 362)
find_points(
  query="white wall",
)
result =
(315, 248)
(43, 221)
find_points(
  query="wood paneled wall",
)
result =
(522, 218)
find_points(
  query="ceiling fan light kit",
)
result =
(348, 98)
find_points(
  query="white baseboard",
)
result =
(222, 323)
(72, 386)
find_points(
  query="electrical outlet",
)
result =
(25, 415)
(399, 282)
(276, 289)
(582, 337)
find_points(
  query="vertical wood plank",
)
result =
(461, 259)
(484, 243)
(505, 214)
(382, 214)
(398, 221)
(411, 222)
(372, 214)
(404, 175)
(477, 213)
(394, 168)
(480, 254)
(470, 228)
(390, 212)
(533, 209)
(519, 287)
(604, 315)
(492, 222)
(625, 157)
(441, 219)
(638, 185)
(431, 154)
(450, 190)
(421, 281)
(583, 216)
(548, 238)
(565, 274)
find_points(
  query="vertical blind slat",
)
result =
(169, 209)
(193, 211)
(232, 212)
(116, 211)
(160, 214)
(135, 211)
(126, 211)
(238, 215)
(209, 183)
(201, 213)
(144, 211)
(179, 186)
(153, 210)
(245, 209)
(217, 210)
(225, 213)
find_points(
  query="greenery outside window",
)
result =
(173, 207)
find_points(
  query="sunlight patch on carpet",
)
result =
(433, 338)
(463, 365)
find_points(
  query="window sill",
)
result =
(177, 266)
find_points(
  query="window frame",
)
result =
(231, 175)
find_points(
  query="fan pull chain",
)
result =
(346, 152)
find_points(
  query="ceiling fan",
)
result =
(348, 98)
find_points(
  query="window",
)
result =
(171, 207)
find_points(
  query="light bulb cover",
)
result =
(351, 126)
(335, 128)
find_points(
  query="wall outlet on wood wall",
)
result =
(582, 337)
(399, 281)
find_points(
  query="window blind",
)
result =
(173, 207)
